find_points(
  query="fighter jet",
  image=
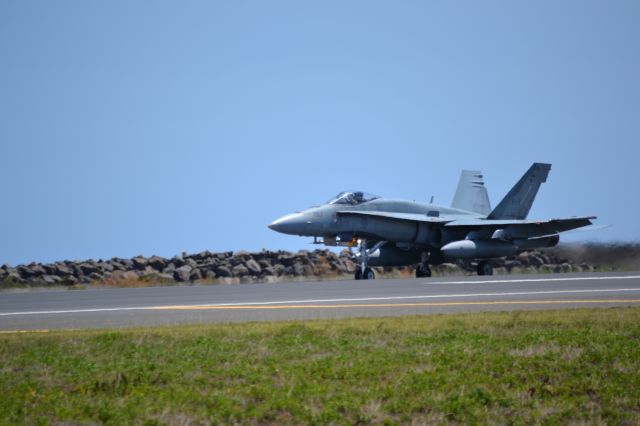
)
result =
(392, 232)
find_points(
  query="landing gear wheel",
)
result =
(485, 268)
(423, 271)
(358, 274)
(363, 272)
(368, 274)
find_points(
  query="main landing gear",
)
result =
(485, 268)
(423, 270)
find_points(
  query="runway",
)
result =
(127, 307)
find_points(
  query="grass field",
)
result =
(548, 367)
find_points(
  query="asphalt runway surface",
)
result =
(150, 306)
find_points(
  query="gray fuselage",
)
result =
(324, 221)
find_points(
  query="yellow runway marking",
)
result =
(392, 305)
(22, 331)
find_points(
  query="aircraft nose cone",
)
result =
(290, 224)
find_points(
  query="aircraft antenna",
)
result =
(431, 200)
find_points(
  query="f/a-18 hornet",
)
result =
(393, 232)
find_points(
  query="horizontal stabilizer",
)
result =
(521, 228)
(569, 223)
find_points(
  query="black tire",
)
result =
(358, 274)
(369, 274)
(485, 268)
(423, 271)
(426, 271)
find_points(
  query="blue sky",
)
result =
(151, 127)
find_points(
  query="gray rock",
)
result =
(223, 271)
(95, 276)
(210, 264)
(240, 271)
(50, 269)
(139, 262)
(536, 261)
(309, 270)
(235, 261)
(201, 257)
(242, 254)
(104, 266)
(15, 277)
(279, 269)
(170, 269)
(285, 260)
(298, 269)
(117, 266)
(253, 267)
(178, 261)
(51, 279)
(523, 258)
(38, 270)
(182, 273)
(88, 268)
(268, 271)
(63, 270)
(127, 263)
(157, 263)
(148, 270)
(70, 280)
(264, 263)
(25, 272)
(196, 274)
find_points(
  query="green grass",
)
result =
(545, 367)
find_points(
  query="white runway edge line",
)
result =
(533, 280)
(311, 301)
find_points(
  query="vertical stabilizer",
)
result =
(471, 194)
(517, 203)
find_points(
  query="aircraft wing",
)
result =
(516, 228)
(523, 228)
(414, 217)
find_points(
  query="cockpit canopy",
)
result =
(352, 198)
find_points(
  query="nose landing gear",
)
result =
(367, 275)
(364, 272)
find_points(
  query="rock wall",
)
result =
(226, 267)
(245, 267)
